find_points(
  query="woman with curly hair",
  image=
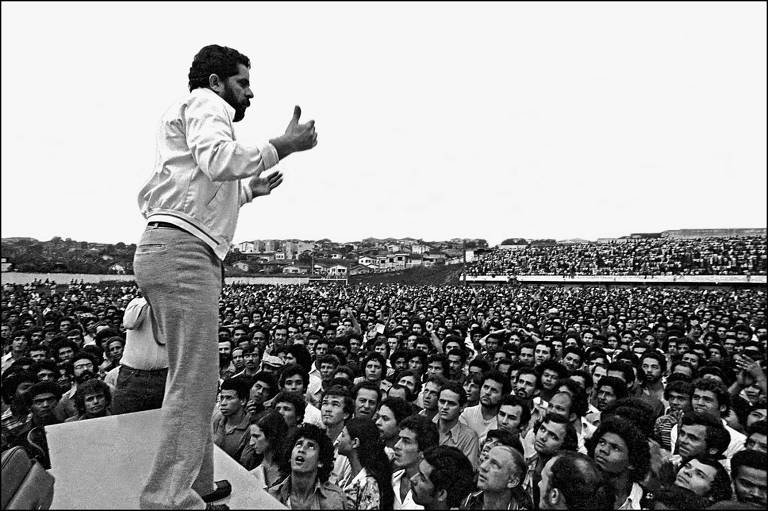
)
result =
(268, 433)
(369, 483)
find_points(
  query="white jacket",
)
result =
(202, 175)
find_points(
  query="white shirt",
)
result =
(408, 502)
(313, 416)
(473, 417)
(633, 499)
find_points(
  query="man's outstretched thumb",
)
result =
(296, 113)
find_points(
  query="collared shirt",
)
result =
(519, 502)
(633, 499)
(232, 438)
(324, 496)
(407, 502)
(202, 175)
(461, 437)
(473, 417)
(587, 430)
(314, 392)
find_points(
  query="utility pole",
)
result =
(464, 263)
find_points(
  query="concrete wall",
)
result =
(66, 278)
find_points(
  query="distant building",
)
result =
(366, 261)
(292, 270)
(5, 265)
(337, 271)
(247, 247)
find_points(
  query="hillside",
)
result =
(437, 275)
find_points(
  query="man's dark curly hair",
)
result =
(215, 59)
(637, 444)
(90, 387)
(326, 454)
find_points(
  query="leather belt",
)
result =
(164, 224)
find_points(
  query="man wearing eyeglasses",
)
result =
(84, 368)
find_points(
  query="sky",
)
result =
(434, 120)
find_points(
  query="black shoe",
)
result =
(222, 491)
(216, 507)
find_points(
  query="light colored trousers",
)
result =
(180, 276)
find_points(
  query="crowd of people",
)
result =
(650, 256)
(429, 397)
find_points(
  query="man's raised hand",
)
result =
(304, 135)
(264, 185)
(297, 136)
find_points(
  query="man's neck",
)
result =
(497, 500)
(251, 372)
(445, 426)
(334, 430)
(235, 418)
(489, 412)
(622, 486)
(411, 470)
(655, 388)
(303, 483)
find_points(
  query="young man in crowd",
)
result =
(291, 406)
(453, 433)
(416, 435)
(231, 422)
(482, 417)
(93, 398)
(749, 472)
(621, 452)
(311, 460)
(294, 378)
(430, 395)
(443, 480)
(712, 398)
(336, 407)
(392, 411)
(553, 434)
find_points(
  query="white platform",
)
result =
(101, 464)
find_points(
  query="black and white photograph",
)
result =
(384, 255)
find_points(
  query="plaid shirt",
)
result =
(12, 427)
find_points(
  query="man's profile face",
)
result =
(423, 490)
(237, 92)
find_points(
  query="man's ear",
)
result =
(442, 495)
(553, 496)
(215, 83)
(355, 443)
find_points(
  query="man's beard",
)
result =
(84, 376)
(224, 359)
(229, 97)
